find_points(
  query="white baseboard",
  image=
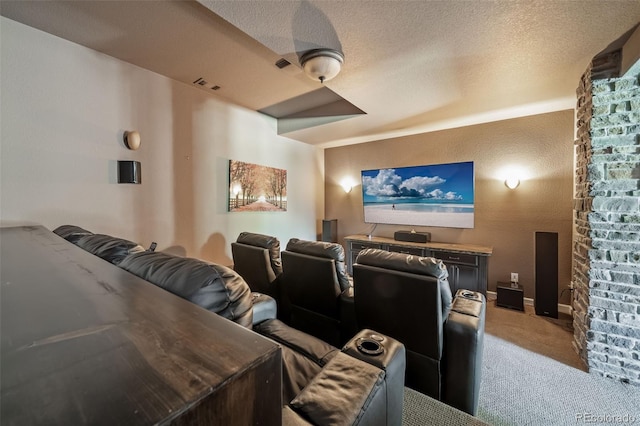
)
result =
(562, 308)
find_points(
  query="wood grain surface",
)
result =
(85, 342)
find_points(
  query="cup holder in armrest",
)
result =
(370, 345)
(376, 349)
(469, 295)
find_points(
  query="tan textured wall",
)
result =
(540, 146)
(63, 111)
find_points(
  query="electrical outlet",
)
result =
(514, 277)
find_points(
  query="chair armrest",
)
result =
(463, 347)
(391, 359)
(264, 307)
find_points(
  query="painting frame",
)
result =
(256, 188)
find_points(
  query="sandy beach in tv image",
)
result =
(449, 216)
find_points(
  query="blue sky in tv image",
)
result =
(436, 195)
(430, 184)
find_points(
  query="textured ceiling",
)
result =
(411, 66)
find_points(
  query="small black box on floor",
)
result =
(510, 295)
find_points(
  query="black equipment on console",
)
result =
(412, 236)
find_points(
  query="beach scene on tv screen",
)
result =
(431, 195)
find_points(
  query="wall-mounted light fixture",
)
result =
(132, 139)
(322, 64)
(512, 182)
(347, 185)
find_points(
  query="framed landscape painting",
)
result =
(256, 188)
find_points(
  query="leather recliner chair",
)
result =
(213, 287)
(71, 233)
(314, 383)
(360, 384)
(408, 298)
(256, 258)
(314, 284)
(111, 249)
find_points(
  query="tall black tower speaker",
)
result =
(546, 274)
(330, 230)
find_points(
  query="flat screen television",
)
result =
(439, 195)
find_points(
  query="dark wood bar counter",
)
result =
(84, 342)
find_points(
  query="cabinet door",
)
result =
(463, 270)
(467, 278)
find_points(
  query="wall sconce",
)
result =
(322, 64)
(347, 185)
(132, 139)
(512, 182)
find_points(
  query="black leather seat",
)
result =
(313, 280)
(213, 287)
(321, 384)
(408, 297)
(71, 233)
(256, 257)
(109, 248)
(314, 373)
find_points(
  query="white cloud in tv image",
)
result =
(430, 195)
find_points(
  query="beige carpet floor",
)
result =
(532, 376)
(546, 336)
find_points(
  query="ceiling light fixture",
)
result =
(322, 64)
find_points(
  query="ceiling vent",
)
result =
(282, 63)
(203, 83)
(200, 82)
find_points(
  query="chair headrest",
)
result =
(111, 249)
(71, 233)
(325, 250)
(428, 266)
(317, 248)
(265, 241)
(214, 287)
(403, 262)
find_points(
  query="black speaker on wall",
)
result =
(129, 172)
(330, 230)
(546, 274)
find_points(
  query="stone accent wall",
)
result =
(606, 249)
